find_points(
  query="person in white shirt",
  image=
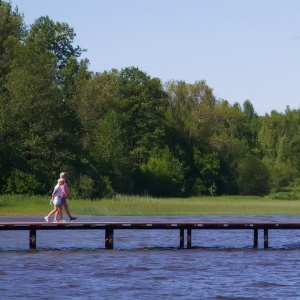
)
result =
(56, 200)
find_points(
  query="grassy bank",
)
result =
(148, 206)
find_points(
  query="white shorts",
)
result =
(56, 201)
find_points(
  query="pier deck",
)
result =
(182, 227)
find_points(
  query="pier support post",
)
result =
(189, 238)
(32, 238)
(255, 238)
(266, 239)
(109, 238)
(181, 238)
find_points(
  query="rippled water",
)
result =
(148, 264)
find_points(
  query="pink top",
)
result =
(65, 190)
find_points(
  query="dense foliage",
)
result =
(122, 131)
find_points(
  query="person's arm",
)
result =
(54, 193)
(67, 192)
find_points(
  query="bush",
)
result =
(87, 188)
(286, 196)
(253, 177)
(199, 188)
(22, 183)
(163, 176)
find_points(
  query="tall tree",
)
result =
(189, 110)
(12, 30)
(11, 33)
(111, 154)
(48, 131)
(57, 38)
(273, 128)
(280, 144)
(251, 126)
(96, 97)
(141, 106)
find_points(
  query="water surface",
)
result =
(148, 264)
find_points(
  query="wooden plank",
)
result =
(196, 225)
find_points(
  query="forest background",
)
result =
(123, 132)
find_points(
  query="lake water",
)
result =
(148, 264)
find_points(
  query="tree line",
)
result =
(122, 131)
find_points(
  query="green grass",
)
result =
(148, 206)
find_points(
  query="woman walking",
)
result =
(56, 200)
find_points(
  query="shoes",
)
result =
(55, 221)
(46, 219)
(73, 218)
(63, 221)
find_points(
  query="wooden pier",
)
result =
(182, 227)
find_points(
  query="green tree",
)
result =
(189, 108)
(22, 183)
(141, 107)
(251, 125)
(48, 132)
(111, 154)
(189, 111)
(96, 97)
(253, 177)
(162, 175)
(281, 174)
(11, 33)
(208, 165)
(280, 143)
(75, 75)
(272, 129)
(56, 38)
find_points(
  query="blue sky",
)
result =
(243, 49)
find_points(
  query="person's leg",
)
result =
(57, 213)
(66, 208)
(50, 214)
(60, 214)
(62, 201)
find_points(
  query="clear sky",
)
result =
(243, 49)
